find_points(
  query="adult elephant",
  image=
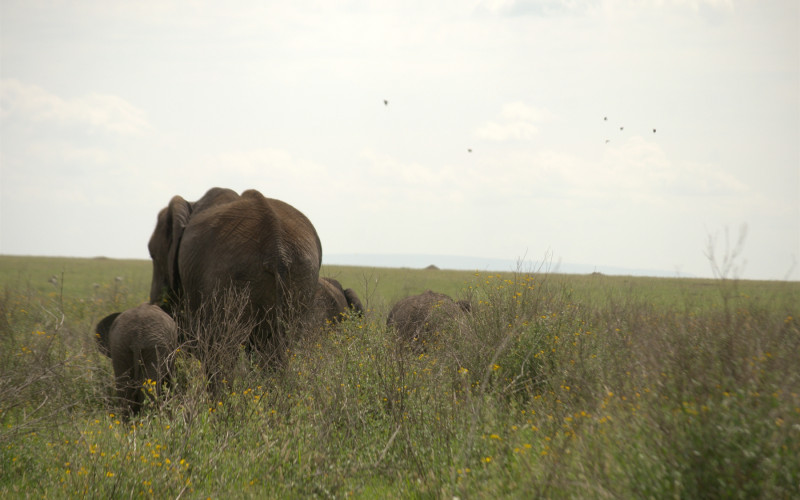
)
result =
(417, 318)
(332, 302)
(261, 246)
(140, 343)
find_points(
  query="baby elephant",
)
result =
(417, 318)
(140, 343)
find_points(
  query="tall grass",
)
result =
(553, 386)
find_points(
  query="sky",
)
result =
(514, 129)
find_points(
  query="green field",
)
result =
(555, 386)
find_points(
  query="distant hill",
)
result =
(422, 261)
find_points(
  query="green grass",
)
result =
(555, 386)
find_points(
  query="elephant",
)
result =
(332, 302)
(140, 342)
(418, 317)
(263, 247)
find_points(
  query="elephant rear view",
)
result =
(262, 246)
(140, 343)
(417, 318)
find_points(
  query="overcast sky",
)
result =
(111, 108)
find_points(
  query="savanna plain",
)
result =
(553, 386)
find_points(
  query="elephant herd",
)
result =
(265, 251)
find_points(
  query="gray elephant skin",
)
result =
(418, 317)
(140, 343)
(246, 242)
(332, 302)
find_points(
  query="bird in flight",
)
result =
(385, 102)
(654, 131)
(605, 118)
(622, 128)
(469, 150)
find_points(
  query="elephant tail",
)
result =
(273, 332)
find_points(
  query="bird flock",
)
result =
(621, 129)
(605, 119)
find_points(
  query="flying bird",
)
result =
(622, 128)
(654, 131)
(385, 102)
(605, 118)
(608, 140)
(469, 150)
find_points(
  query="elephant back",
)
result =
(416, 317)
(263, 245)
(144, 327)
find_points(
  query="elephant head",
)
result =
(329, 304)
(140, 343)
(418, 317)
(354, 305)
(353, 302)
(332, 302)
(245, 242)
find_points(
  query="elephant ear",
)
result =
(101, 333)
(163, 246)
(354, 302)
(180, 210)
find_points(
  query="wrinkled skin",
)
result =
(140, 343)
(247, 242)
(418, 317)
(332, 303)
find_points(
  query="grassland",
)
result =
(555, 386)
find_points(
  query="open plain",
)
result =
(554, 386)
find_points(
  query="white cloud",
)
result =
(517, 122)
(640, 169)
(614, 7)
(520, 111)
(31, 103)
(513, 130)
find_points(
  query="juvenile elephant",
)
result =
(332, 302)
(140, 343)
(224, 240)
(418, 317)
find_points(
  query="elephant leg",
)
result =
(124, 380)
(128, 392)
(151, 372)
(136, 395)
